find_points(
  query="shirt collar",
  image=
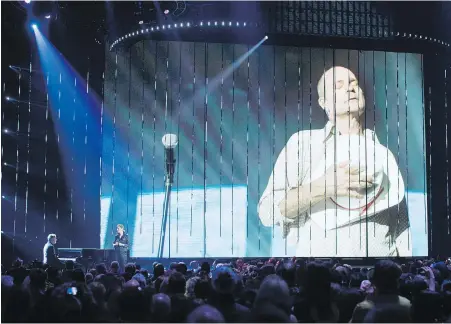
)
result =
(330, 130)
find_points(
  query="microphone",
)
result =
(170, 141)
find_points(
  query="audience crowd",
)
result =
(275, 291)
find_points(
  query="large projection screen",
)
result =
(283, 151)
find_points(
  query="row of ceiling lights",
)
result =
(179, 25)
(416, 36)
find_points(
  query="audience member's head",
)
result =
(274, 290)
(18, 263)
(158, 270)
(194, 265)
(130, 268)
(114, 267)
(386, 277)
(205, 314)
(78, 276)
(37, 278)
(89, 278)
(160, 307)
(205, 267)
(182, 268)
(176, 283)
(189, 289)
(101, 268)
(98, 292)
(224, 280)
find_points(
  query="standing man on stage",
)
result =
(320, 197)
(50, 253)
(121, 246)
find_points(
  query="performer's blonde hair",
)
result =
(121, 226)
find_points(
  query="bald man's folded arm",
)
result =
(282, 201)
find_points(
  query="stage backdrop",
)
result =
(233, 128)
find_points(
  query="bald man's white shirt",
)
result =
(295, 165)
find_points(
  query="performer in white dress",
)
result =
(337, 191)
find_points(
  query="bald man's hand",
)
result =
(344, 180)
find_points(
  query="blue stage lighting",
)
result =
(48, 16)
(216, 23)
(201, 23)
(187, 24)
(244, 24)
(181, 25)
(8, 99)
(208, 23)
(223, 23)
(230, 23)
(266, 37)
(6, 131)
(3, 197)
(34, 26)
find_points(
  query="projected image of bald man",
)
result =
(336, 191)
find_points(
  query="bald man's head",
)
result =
(339, 93)
(161, 305)
(205, 314)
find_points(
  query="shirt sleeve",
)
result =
(287, 174)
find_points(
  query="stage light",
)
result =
(187, 24)
(141, 22)
(237, 23)
(216, 23)
(208, 23)
(34, 26)
(201, 23)
(244, 24)
(27, 1)
(163, 27)
(151, 29)
(158, 28)
(169, 26)
(181, 25)
(223, 23)
(147, 30)
(6, 131)
(175, 25)
(8, 98)
(48, 16)
(4, 163)
(230, 23)
(166, 12)
(3, 197)
(266, 37)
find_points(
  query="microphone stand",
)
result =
(167, 198)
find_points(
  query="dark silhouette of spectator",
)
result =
(273, 301)
(386, 283)
(224, 282)
(387, 313)
(114, 267)
(101, 268)
(161, 308)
